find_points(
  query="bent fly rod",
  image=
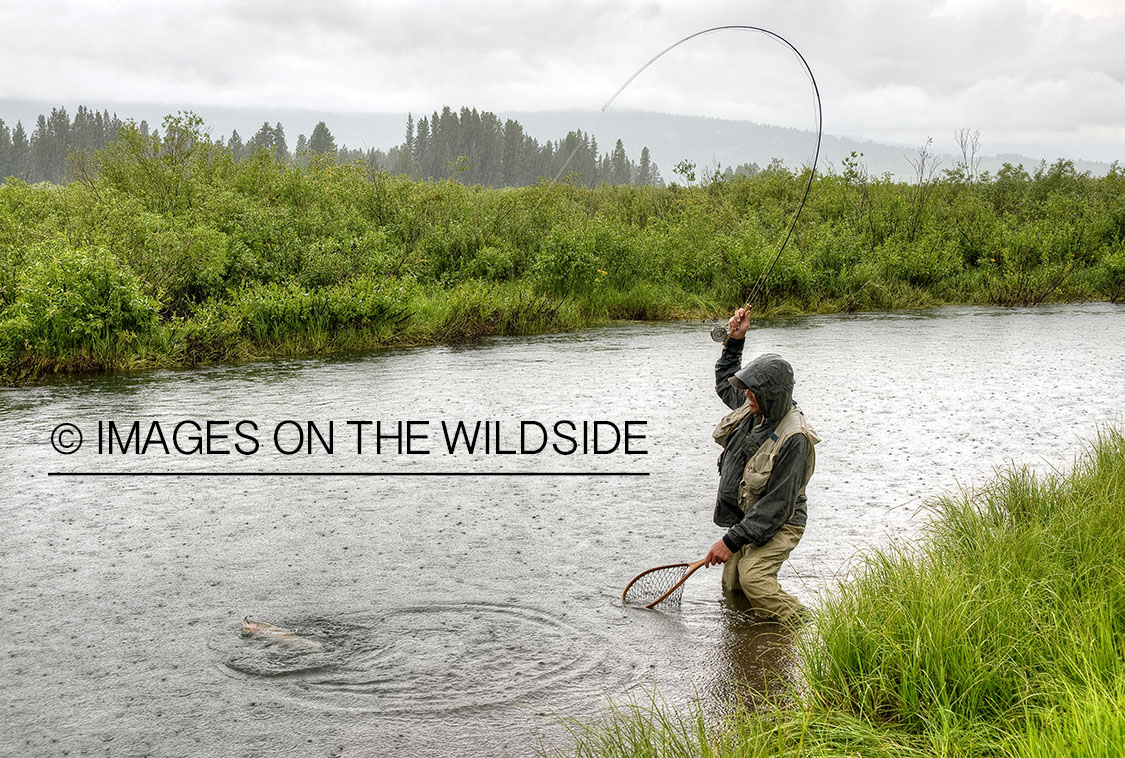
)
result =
(719, 333)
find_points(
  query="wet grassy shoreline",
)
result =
(189, 344)
(997, 634)
(224, 338)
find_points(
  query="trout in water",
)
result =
(270, 633)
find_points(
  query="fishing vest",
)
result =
(756, 474)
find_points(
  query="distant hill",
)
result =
(711, 141)
(705, 141)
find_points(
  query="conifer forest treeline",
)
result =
(167, 248)
(470, 147)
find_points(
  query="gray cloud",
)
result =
(1024, 72)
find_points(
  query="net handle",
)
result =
(692, 568)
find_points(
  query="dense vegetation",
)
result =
(1000, 635)
(164, 250)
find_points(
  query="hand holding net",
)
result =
(663, 585)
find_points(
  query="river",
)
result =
(467, 604)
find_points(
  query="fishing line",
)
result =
(719, 333)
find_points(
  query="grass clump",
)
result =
(1001, 633)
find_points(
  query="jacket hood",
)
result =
(770, 378)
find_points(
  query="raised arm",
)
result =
(731, 360)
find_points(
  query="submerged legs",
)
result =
(752, 570)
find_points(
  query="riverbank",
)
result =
(998, 634)
(274, 322)
(166, 252)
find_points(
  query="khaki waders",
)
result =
(753, 571)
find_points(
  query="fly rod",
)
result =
(719, 333)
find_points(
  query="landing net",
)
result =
(651, 586)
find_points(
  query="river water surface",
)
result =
(464, 604)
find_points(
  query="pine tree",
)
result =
(410, 134)
(301, 151)
(5, 151)
(237, 149)
(376, 160)
(620, 170)
(263, 139)
(280, 149)
(112, 126)
(40, 149)
(21, 153)
(321, 140)
(82, 136)
(59, 124)
(430, 167)
(509, 161)
(404, 161)
(421, 142)
(492, 152)
(596, 175)
(586, 163)
(100, 128)
(644, 171)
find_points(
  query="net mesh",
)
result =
(649, 586)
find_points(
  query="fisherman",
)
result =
(766, 462)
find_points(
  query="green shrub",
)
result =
(565, 264)
(75, 301)
(494, 263)
(1112, 270)
(277, 311)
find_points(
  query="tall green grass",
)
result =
(1001, 632)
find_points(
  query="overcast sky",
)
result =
(1043, 73)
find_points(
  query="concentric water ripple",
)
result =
(429, 658)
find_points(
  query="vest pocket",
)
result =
(757, 473)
